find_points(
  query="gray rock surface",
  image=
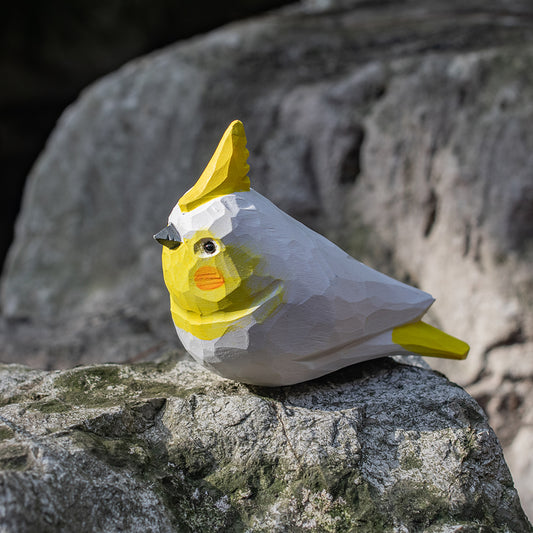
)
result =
(401, 130)
(168, 446)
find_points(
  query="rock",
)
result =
(457, 183)
(326, 114)
(521, 461)
(506, 393)
(168, 446)
(49, 57)
(403, 136)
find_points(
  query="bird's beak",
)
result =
(168, 237)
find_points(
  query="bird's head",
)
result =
(214, 261)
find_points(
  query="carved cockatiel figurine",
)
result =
(258, 297)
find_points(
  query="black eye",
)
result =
(209, 247)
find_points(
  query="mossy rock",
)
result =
(168, 446)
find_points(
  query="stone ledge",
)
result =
(169, 446)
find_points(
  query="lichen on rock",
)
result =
(168, 446)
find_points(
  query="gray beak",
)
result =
(168, 237)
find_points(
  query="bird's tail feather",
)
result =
(423, 339)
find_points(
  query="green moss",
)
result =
(418, 506)
(195, 459)
(203, 495)
(195, 504)
(106, 386)
(109, 385)
(206, 489)
(263, 482)
(198, 506)
(13, 457)
(131, 453)
(334, 499)
(6, 433)
(410, 461)
(90, 387)
(11, 399)
(91, 378)
(50, 406)
(149, 389)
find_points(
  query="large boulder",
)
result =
(49, 55)
(404, 138)
(381, 446)
(401, 130)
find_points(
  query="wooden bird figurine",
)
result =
(258, 297)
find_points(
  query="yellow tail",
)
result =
(423, 339)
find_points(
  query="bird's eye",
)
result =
(206, 247)
(209, 247)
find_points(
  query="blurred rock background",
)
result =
(401, 130)
(50, 51)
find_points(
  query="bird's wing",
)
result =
(366, 301)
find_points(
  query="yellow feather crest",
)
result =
(226, 172)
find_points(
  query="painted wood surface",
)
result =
(258, 297)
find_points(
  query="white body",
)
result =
(335, 311)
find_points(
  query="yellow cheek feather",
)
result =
(209, 295)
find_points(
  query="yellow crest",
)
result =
(227, 171)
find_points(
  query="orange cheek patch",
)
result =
(208, 278)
